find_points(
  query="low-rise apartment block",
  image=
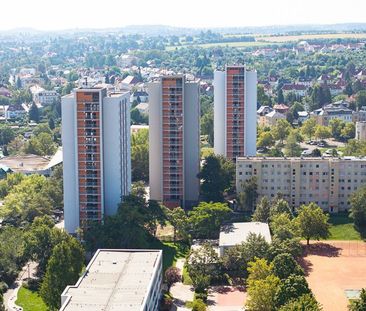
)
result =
(328, 182)
(117, 279)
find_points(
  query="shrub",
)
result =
(198, 305)
(172, 275)
(201, 296)
(166, 302)
(32, 284)
(3, 287)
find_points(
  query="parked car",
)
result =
(306, 153)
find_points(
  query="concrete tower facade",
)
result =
(235, 107)
(96, 154)
(174, 140)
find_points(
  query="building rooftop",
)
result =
(25, 163)
(238, 232)
(113, 280)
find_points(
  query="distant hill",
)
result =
(162, 30)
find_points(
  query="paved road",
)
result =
(11, 294)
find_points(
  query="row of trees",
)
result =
(60, 258)
(270, 271)
(26, 197)
(283, 131)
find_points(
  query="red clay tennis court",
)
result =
(334, 267)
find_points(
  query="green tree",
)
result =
(259, 269)
(280, 206)
(128, 228)
(63, 269)
(179, 220)
(262, 211)
(282, 226)
(358, 207)
(42, 128)
(11, 253)
(34, 113)
(206, 219)
(361, 99)
(312, 222)
(292, 147)
(27, 200)
(140, 155)
(280, 97)
(207, 126)
(237, 258)
(308, 128)
(348, 131)
(7, 134)
(281, 130)
(203, 267)
(17, 145)
(248, 194)
(41, 144)
(40, 240)
(305, 302)
(262, 294)
(284, 265)
(336, 125)
(288, 245)
(359, 304)
(265, 140)
(293, 287)
(322, 132)
(217, 175)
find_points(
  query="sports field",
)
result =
(334, 267)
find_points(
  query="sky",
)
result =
(66, 14)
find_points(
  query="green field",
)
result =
(30, 301)
(265, 40)
(342, 228)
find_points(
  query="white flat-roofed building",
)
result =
(328, 182)
(238, 232)
(117, 279)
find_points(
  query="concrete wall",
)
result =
(155, 141)
(71, 199)
(219, 113)
(250, 124)
(191, 142)
(116, 146)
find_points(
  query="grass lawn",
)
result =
(171, 251)
(342, 228)
(186, 278)
(30, 301)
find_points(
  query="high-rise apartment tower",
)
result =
(174, 140)
(96, 154)
(235, 112)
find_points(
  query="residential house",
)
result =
(297, 89)
(332, 111)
